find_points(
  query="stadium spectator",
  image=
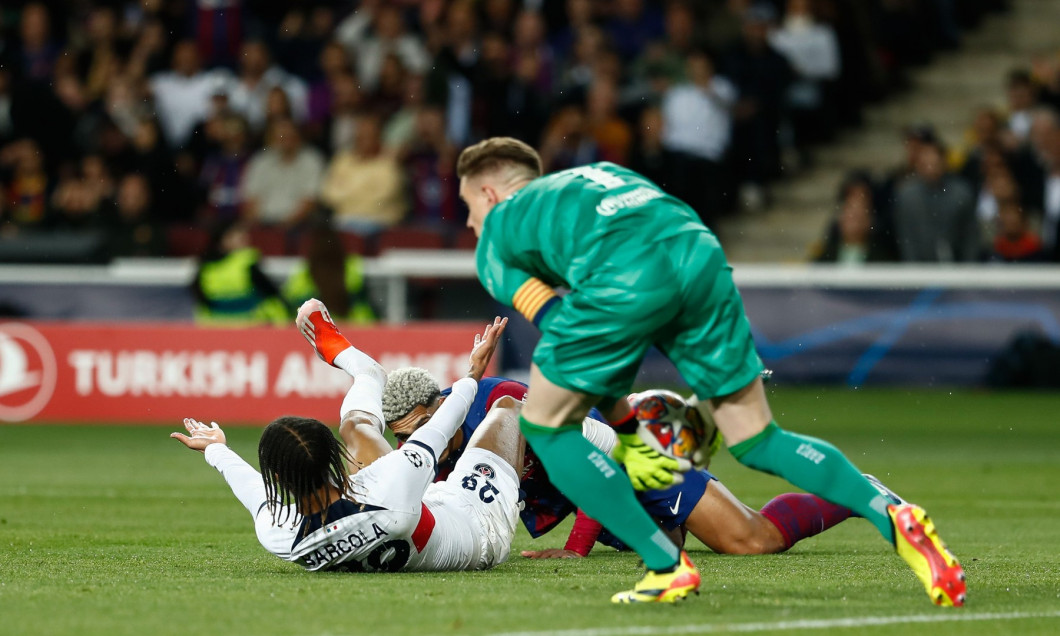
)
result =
(498, 15)
(697, 126)
(531, 52)
(182, 95)
(222, 172)
(37, 50)
(218, 28)
(400, 129)
(633, 25)
(666, 57)
(812, 49)
(934, 212)
(280, 183)
(301, 38)
(353, 29)
(364, 186)
(229, 286)
(123, 104)
(566, 142)
(77, 205)
(339, 127)
(334, 65)
(762, 77)
(1022, 97)
(578, 72)
(985, 138)
(579, 14)
(1014, 241)
(430, 163)
(133, 231)
(206, 137)
(147, 56)
(458, 60)
(650, 157)
(150, 156)
(98, 63)
(389, 94)
(26, 202)
(853, 238)
(258, 77)
(506, 102)
(914, 137)
(612, 134)
(1045, 68)
(724, 23)
(387, 36)
(87, 79)
(998, 185)
(1045, 139)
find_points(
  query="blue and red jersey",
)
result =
(543, 504)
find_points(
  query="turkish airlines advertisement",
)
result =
(135, 373)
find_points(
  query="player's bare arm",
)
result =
(363, 439)
(484, 348)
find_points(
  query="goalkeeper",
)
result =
(642, 269)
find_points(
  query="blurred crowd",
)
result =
(152, 122)
(992, 196)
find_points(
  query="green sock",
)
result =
(817, 467)
(595, 483)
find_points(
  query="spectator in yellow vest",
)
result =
(230, 288)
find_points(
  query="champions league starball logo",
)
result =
(27, 372)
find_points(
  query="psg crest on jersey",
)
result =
(485, 470)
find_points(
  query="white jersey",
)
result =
(396, 519)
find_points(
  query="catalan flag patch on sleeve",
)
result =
(533, 299)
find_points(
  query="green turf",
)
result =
(118, 530)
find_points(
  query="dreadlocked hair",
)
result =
(298, 456)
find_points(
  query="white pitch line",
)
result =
(730, 628)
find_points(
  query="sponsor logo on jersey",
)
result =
(485, 470)
(27, 372)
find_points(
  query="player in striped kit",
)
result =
(324, 507)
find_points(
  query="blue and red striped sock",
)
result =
(799, 516)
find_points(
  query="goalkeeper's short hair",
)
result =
(406, 389)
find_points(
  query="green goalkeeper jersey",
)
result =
(562, 227)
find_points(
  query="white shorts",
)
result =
(487, 488)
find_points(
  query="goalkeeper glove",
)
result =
(647, 468)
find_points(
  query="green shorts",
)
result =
(678, 295)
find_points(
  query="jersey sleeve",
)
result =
(395, 481)
(511, 285)
(247, 486)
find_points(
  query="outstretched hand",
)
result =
(485, 346)
(201, 435)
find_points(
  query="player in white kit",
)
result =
(366, 507)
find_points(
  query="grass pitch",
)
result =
(119, 530)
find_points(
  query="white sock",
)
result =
(356, 362)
